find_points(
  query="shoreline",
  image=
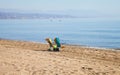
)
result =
(31, 58)
(84, 46)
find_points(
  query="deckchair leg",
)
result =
(56, 49)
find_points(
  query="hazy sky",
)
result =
(102, 6)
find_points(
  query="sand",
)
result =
(29, 58)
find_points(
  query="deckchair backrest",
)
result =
(57, 41)
(49, 41)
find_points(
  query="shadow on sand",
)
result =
(46, 50)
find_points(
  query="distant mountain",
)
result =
(46, 14)
(16, 15)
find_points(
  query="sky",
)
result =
(110, 7)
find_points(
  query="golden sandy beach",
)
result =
(29, 58)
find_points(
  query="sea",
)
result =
(90, 32)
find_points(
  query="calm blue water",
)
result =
(103, 33)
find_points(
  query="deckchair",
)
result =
(50, 43)
(57, 42)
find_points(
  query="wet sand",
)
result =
(29, 58)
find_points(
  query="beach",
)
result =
(31, 58)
